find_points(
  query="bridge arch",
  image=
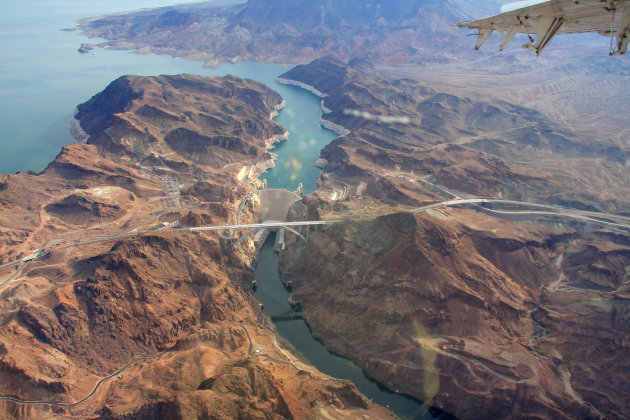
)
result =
(254, 231)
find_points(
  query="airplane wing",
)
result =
(548, 18)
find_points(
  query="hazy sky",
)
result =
(519, 4)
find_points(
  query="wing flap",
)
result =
(553, 17)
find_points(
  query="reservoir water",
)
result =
(43, 78)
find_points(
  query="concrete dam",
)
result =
(276, 205)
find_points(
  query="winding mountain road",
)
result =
(98, 384)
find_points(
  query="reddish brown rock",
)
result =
(479, 323)
(117, 314)
(470, 145)
(482, 313)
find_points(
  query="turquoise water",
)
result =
(296, 157)
(43, 78)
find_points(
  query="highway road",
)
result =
(606, 219)
(25, 259)
(108, 238)
(17, 273)
(100, 239)
(616, 226)
(613, 221)
(346, 187)
(269, 224)
(450, 203)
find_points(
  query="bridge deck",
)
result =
(269, 224)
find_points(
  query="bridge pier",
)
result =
(260, 237)
(280, 244)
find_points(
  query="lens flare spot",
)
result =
(428, 352)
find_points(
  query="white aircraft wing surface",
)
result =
(548, 18)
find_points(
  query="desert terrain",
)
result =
(481, 261)
(485, 308)
(114, 313)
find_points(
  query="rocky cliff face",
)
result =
(115, 314)
(483, 313)
(479, 322)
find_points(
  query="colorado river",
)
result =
(306, 139)
(274, 296)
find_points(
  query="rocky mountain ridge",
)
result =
(409, 31)
(155, 129)
(483, 147)
(485, 313)
(118, 315)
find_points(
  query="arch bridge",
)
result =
(279, 209)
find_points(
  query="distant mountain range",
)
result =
(414, 32)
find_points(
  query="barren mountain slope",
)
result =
(112, 312)
(287, 31)
(485, 310)
(483, 147)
